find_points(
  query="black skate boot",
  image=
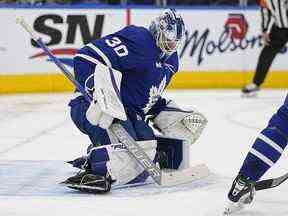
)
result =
(90, 183)
(241, 193)
(250, 90)
(80, 162)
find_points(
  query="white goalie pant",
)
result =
(120, 164)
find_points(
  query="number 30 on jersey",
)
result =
(120, 49)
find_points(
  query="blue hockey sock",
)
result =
(268, 147)
(98, 159)
(264, 153)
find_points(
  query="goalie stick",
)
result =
(160, 177)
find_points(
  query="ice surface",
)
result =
(37, 136)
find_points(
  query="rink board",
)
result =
(209, 57)
(182, 80)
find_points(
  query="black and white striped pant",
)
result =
(278, 39)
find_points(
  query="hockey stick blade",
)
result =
(160, 177)
(270, 183)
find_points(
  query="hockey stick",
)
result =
(270, 183)
(59, 64)
(160, 177)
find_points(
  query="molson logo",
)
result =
(233, 37)
(54, 31)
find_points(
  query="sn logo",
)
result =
(42, 24)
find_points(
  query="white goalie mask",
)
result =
(168, 30)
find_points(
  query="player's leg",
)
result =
(97, 135)
(115, 160)
(84, 72)
(123, 168)
(113, 163)
(268, 147)
(265, 152)
(171, 154)
(278, 38)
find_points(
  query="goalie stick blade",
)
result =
(184, 176)
(270, 183)
(87, 189)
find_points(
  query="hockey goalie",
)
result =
(127, 72)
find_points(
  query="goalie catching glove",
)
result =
(106, 104)
(174, 122)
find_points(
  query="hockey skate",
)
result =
(87, 182)
(250, 90)
(241, 193)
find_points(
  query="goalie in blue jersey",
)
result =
(264, 153)
(133, 66)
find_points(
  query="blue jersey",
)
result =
(146, 71)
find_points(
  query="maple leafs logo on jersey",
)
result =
(154, 94)
(158, 64)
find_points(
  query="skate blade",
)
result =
(86, 189)
(249, 95)
(69, 183)
(69, 162)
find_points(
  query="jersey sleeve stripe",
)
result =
(171, 68)
(100, 53)
(88, 58)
